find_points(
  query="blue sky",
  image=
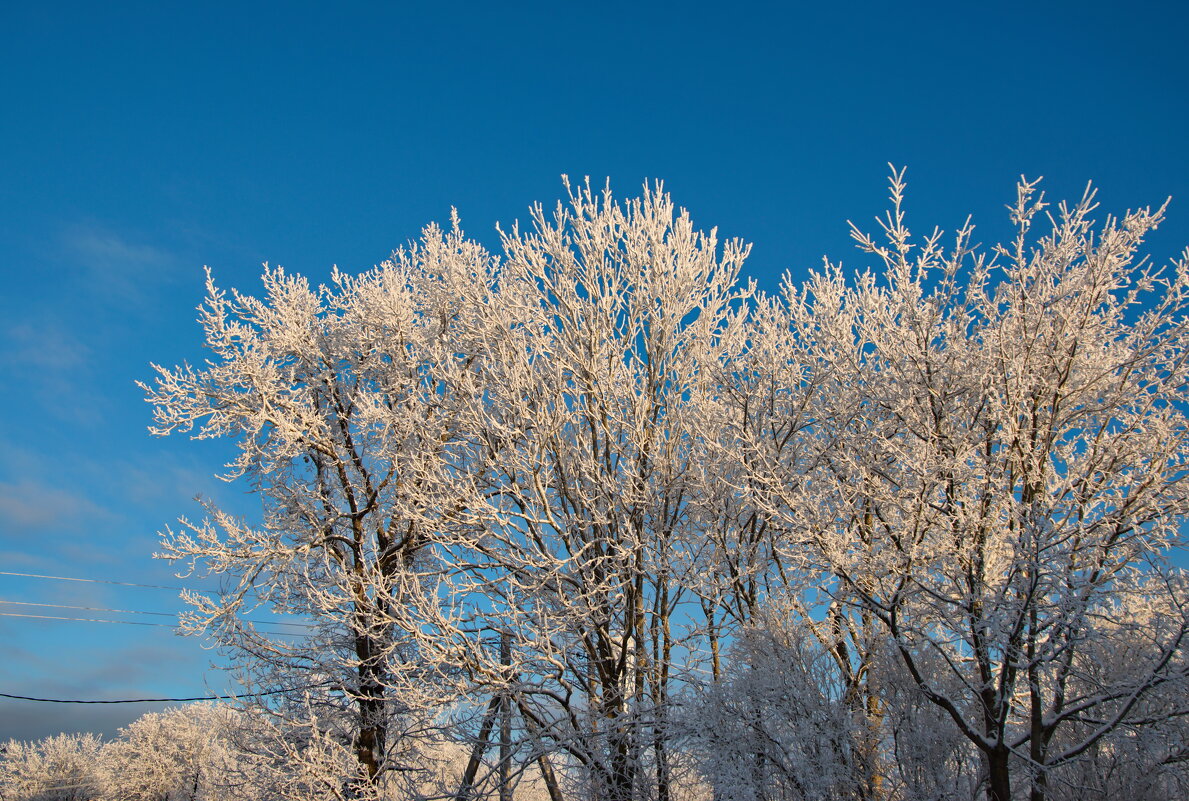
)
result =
(141, 141)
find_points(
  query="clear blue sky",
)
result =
(140, 141)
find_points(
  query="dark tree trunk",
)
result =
(998, 774)
(371, 744)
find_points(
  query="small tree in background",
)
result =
(59, 768)
(181, 754)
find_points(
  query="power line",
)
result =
(139, 612)
(121, 611)
(136, 622)
(91, 620)
(89, 608)
(95, 581)
(120, 701)
(165, 700)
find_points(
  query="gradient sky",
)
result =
(141, 141)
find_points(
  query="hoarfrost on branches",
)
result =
(999, 467)
(352, 407)
(905, 533)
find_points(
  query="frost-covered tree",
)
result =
(59, 768)
(999, 470)
(351, 407)
(1146, 756)
(782, 398)
(594, 397)
(180, 754)
(777, 725)
(529, 502)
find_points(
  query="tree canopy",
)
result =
(876, 536)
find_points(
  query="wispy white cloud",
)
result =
(29, 507)
(54, 367)
(43, 345)
(21, 559)
(118, 267)
(105, 248)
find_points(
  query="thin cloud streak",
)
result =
(117, 268)
(29, 507)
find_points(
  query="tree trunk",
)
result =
(998, 774)
(371, 744)
(621, 767)
(505, 722)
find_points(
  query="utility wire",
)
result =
(162, 700)
(89, 620)
(132, 622)
(95, 581)
(88, 608)
(139, 612)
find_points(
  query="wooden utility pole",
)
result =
(467, 786)
(506, 719)
(502, 706)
